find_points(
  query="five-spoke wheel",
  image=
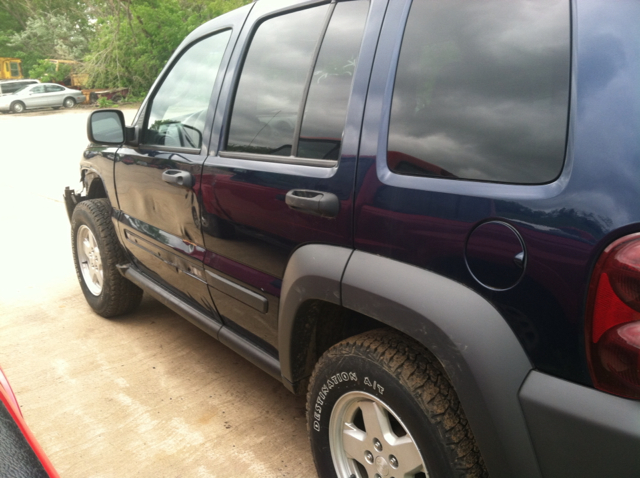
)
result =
(366, 435)
(90, 260)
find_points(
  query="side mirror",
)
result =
(106, 127)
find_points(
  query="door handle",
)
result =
(176, 177)
(317, 203)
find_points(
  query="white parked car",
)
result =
(42, 95)
(8, 87)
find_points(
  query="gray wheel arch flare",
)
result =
(481, 355)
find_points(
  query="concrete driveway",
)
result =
(146, 395)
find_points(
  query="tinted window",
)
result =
(273, 81)
(481, 91)
(326, 108)
(179, 109)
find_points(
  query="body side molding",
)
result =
(476, 347)
(208, 324)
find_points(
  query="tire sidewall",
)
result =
(82, 217)
(359, 374)
(69, 103)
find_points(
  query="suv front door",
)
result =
(158, 179)
(282, 171)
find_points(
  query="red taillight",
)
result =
(613, 319)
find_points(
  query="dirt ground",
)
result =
(146, 395)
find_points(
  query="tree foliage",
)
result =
(47, 72)
(123, 43)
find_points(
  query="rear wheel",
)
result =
(69, 103)
(380, 405)
(96, 253)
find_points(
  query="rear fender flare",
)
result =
(474, 344)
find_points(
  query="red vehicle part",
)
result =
(613, 319)
(20, 453)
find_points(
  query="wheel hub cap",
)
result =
(361, 423)
(89, 260)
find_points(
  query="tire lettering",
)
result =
(375, 385)
(324, 392)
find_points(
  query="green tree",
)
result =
(133, 41)
(36, 29)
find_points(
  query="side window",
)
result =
(326, 108)
(482, 91)
(15, 69)
(54, 88)
(285, 73)
(37, 90)
(178, 110)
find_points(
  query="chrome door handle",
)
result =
(176, 177)
(317, 203)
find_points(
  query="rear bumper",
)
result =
(581, 432)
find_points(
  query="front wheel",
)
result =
(96, 253)
(380, 405)
(69, 103)
(17, 107)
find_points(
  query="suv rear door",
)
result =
(281, 168)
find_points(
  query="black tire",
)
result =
(385, 374)
(69, 102)
(17, 107)
(96, 248)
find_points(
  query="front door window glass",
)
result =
(179, 108)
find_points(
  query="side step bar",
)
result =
(208, 324)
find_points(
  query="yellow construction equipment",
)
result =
(10, 68)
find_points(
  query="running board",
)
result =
(208, 324)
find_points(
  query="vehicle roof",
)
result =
(21, 80)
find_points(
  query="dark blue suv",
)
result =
(423, 214)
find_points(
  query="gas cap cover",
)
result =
(495, 255)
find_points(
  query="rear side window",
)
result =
(293, 92)
(482, 91)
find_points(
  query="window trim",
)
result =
(323, 163)
(291, 159)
